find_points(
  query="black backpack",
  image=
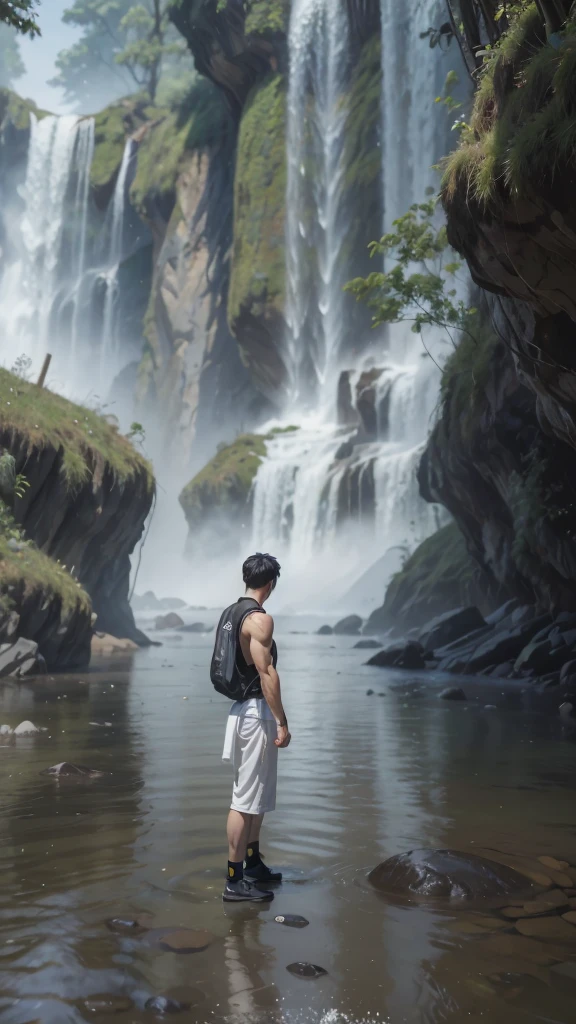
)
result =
(229, 672)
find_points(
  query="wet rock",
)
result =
(305, 970)
(568, 669)
(565, 970)
(292, 920)
(104, 643)
(568, 713)
(570, 917)
(410, 655)
(551, 862)
(445, 873)
(108, 1004)
(147, 602)
(501, 613)
(502, 671)
(67, 770)
(548, 929)
(503, 645)
(531, 869)
(349, 626)
(490, 707)
(195, 627)
(129, 925)
(453, 693)
(18, 658)
(369, 693)
(164, 1004)
(183, 940)
(451, 626)
(325, 631)
(367, 645)
(170, 621)
(546, 903)
(534, 656)
(26, 729)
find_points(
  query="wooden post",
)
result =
(44, 370)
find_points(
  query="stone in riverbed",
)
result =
(325, 631)
(568, 669)
(292, 920)
(107, 1004)
(451, 626)
(551, 862)
(453, 693)
(550, 929)
(170, 621)
(349, 626)
(410, 655)
(164, 1004)
(445, 873)
(184, 940)
(19, 658)
(305, 970)
(67, 770)
(26, 729)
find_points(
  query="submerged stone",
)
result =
(453, 693)
(304, 970)
(183, 940)
(447, 874)
(67, 770)
(108, 1004)
(292, 920)
(163, 1004)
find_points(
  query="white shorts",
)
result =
(250, 746)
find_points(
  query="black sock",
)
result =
(253, 855)
(235, 871)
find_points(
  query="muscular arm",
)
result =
(260, 629)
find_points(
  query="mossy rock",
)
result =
(522, 133)
(21, 560)
(45, 419)
(112, 126)
(465, 376)
(15, 110)
(225, 483)
(438, 576)
(257, 283)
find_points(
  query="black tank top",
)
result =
(249, 673)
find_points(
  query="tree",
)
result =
(124, 47)
(21, 15)
(11, 64)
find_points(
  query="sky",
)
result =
(39, 56)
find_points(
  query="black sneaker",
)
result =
(261, 873)
(244, 891)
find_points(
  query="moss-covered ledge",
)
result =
(88, 495)
(223, 487)
(257, 286)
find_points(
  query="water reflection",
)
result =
(366, 777)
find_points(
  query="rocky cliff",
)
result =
(501, 457)
(86, 493)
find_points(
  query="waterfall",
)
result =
(316, 217)
(29, 284)
(85, 153)
(302, 505)
(109, 339)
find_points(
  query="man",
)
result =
(257, 728)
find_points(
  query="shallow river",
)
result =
(365, 777)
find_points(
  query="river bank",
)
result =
(366, 777)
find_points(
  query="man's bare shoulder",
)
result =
(259, 626)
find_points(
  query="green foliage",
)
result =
(21, 15)
(159, 159)
(21, 560)
(523, 128)
(11, 64)
(404, 293)
(265, 17)
(16, 111)
(257, 280)
(465, 379)
(226, 481)
(43, 418)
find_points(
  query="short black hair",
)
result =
(260, 569)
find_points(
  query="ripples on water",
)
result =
(366, 777)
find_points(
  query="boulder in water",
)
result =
(349, 626)
(26, 729)
(367, 645)
(325, 631)
(292, 920)
(19, 658)
(451, 626)
(453, 693)
(407, 655)
(164, 1004)
(170, 621)
(195, 627)
(447, 874)
(305, 970)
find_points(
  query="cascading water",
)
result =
(85, 153)
(318, 45)
(109, 342)
(328, 494)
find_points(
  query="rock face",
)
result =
(447, 874)
(19, 658)
(350, 626)
(405, 655)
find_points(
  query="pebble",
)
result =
(124, 924)
(184, 940)
(546, 928)
(304, 970)
(570, 917)
(163, 1004)
(292, 920)
(108, 1004)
